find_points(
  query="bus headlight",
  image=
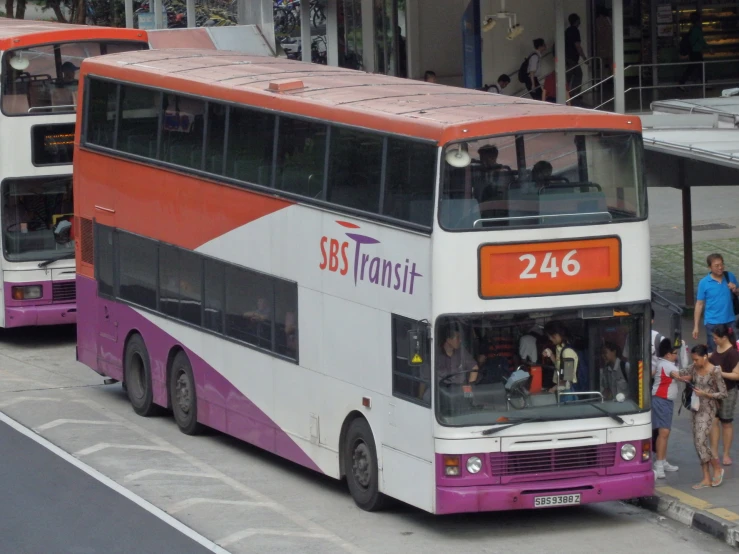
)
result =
(474, 464)
(29, 292)
(628, 452)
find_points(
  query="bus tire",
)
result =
(360, 466)
(137, 377)
(183, 395)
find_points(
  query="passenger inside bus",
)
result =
(495, 364)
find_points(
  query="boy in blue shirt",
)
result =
(715, 292)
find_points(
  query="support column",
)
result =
(332, 33)
(158, 19)
(618, 56)
(412, 36)
(305, 36)
(191, 17)
(368, 35)
(559, 51)
(687, 236)
(129, 14)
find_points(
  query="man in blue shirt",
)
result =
(714, 295)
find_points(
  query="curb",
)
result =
(700, 520)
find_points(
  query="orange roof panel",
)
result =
(18, 33)
(437, 112)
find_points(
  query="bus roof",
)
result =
(19, 33)
(391, 104)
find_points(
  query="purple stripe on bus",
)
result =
(220, 405)
(39, 311)
(452, 500)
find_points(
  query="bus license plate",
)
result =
(558, 500)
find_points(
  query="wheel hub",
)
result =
(183, 394)
(361, 465)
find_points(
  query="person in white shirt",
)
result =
(664, 393)
(532, 80)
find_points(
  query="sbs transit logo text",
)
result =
(337, 257)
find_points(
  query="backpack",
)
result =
(583, 369)
(523, 71)
(686, 48)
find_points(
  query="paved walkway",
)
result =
(720, 502)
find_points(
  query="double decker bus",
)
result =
(39, 70)
(441, 295)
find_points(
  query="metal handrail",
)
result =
(641, 86)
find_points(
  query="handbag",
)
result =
(695, 402)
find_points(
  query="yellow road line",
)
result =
(723, 513)
(686, 498)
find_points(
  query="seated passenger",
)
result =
(613, 375)
(453, 359)
(262, 312)
(541, 173)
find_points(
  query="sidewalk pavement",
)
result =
(713, 510)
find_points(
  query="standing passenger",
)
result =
(709, 386)
(532, 80)
(573, 53)
(726, 356)
(715, 292)
(664, 393)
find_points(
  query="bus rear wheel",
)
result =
(137, 377)
(360, 467)
(183, 395)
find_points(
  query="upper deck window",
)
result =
(44, 79)
(543, 179)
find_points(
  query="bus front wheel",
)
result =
(137, 377)
(360, 466)
(183, 395)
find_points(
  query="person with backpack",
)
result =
(692, 45)
(716, 292)
(529, 69)
(567, 378)
(664, 392)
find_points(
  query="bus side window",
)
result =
(410, 382)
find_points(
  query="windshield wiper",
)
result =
(609, 414)
(52, 260)
(493, 430)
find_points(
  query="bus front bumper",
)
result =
(521, 496)
(50, 314)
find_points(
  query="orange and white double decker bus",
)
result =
(39, 69)
(419, 288)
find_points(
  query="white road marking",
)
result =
(147, 472)
(20, 399)
(246, 533)
(103, 445)
(153, 510)
(58, 422)
(179, 506)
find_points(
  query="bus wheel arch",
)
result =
(359, 463)
(182, 392)
(137, 375)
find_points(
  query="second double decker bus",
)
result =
(438, 294)
(39, 69)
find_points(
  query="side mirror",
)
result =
(417, 346)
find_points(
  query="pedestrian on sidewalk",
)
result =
(727, 357)
(573, 53)
(715, 296)
(664, 393)
(708, 385)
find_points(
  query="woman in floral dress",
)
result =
(709, 386)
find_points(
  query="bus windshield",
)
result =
(37, 218)
(44, 79)
(542, 179)
(546, 366)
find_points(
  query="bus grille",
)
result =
(549, 461)
(64, 291)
